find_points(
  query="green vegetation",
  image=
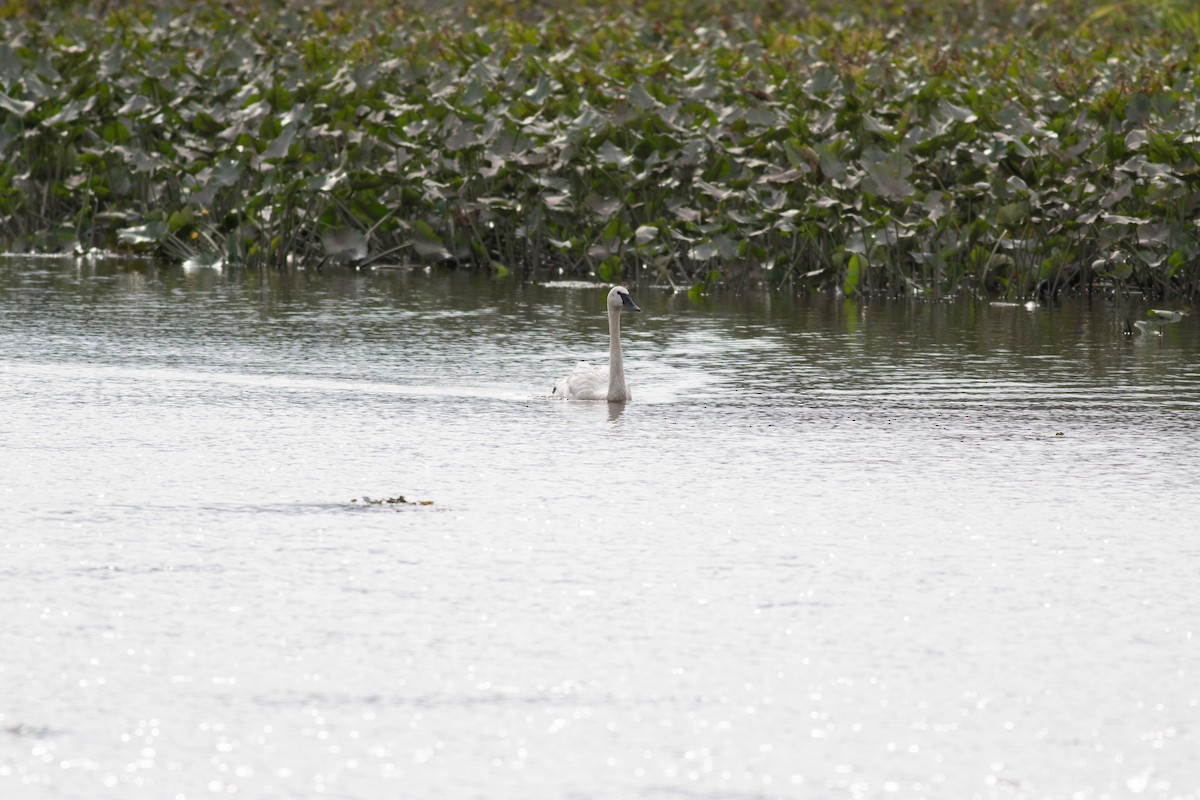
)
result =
(1004, 147)
(398, 500)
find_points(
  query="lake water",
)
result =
(830, 550)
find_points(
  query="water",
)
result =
(830, 550)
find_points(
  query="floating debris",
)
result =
(398, 500)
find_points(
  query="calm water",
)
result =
(831, 550)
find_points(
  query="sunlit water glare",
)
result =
(831, 549)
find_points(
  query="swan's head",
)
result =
(619, 298)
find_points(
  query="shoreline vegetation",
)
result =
(1004, 148)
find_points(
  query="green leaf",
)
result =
(887, 174)
(1012, 213)
(345, 243)
(427, 243)
(640, 97)
(144, 234)
(279, 147)
(1120, 219)
(873, 125)
(326, 182)
(611, 154)
(18, 108)
(179, 219)
(1177, 260)
(610, 269)
(541, 90)
(854, 266)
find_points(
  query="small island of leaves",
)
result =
(398, 500)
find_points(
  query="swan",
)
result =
(589, 382)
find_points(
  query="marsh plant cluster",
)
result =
(1004, 147)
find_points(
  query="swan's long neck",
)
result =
(618, 390)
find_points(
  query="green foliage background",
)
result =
(1004, 147)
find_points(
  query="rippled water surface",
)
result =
(830, 549)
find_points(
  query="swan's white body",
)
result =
(590, 382)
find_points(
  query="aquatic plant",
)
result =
(398, 500)
(1030, 148)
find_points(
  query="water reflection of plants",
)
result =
(1030, 150)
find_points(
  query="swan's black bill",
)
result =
(627, 301)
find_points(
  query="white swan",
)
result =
(589, 382)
